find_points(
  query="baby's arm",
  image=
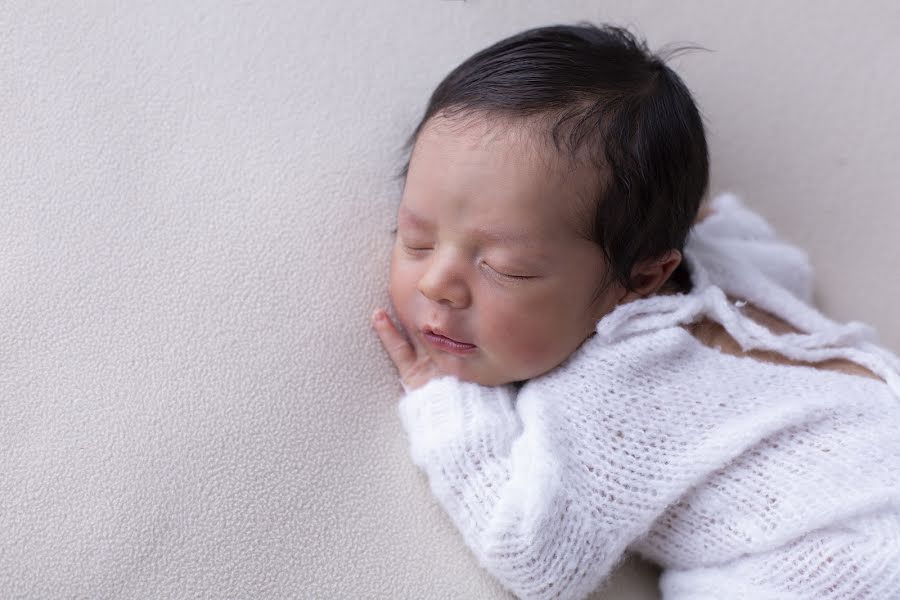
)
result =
(504, 492)
(496, 475)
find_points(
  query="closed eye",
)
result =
(507, 275)
(515, 276)
(418, 250)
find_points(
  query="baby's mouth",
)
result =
(448, 344)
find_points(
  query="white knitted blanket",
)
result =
(741, 478)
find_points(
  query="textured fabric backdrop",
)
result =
(195, 212)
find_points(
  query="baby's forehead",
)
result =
(531, 141)
(565, 187)
(531, 138)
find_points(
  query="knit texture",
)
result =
(740, 478)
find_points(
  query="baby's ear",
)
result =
(650, 274)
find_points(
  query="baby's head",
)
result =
(554, 176)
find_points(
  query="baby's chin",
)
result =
(490, 381)
(492, 378)
(479, 368)
(468, 372)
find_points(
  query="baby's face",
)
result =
(487, 253)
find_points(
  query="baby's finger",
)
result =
(398, 349)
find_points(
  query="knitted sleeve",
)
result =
(503, 491)
(736, 233)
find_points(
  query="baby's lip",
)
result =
(443, 333)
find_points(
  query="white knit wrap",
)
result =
(743, 479)
(854, 341)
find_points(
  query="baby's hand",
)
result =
(413, 364)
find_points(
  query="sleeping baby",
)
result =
(595, 364)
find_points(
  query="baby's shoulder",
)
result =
(690, 361)
(714, 335)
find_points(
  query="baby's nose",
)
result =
(444, 282)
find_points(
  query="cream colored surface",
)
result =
(195, 215)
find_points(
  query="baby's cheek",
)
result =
(528, 347)
(535, 356)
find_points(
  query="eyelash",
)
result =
(503, 275)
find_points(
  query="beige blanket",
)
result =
(195, 212)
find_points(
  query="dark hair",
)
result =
(614, 98)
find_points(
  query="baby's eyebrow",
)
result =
(509, 237)
(413, 217)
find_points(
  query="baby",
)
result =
(593, 364)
